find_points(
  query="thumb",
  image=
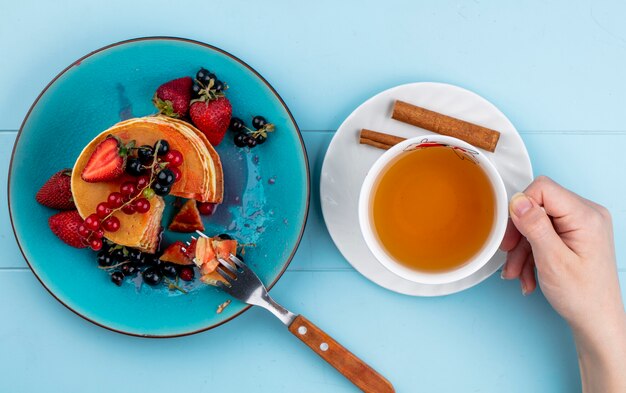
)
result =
(535, 225)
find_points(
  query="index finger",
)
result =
(557, 201)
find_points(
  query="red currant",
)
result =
(129, 209)
(111, 224)
(142, 205)
(115, 200)
(83, 231)
(95, 244)
(207, 208)
(143, 182)
(174, 157)
(128, 188)
(186, 273)
(176, 172)
(92, 222)
(103, 209)
(98, 234)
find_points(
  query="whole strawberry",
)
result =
(56, 192)
(65, 226)
(211, 111)
(212, 118)
(172, 98)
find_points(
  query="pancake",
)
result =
(201, 177)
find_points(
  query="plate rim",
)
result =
(189, 41)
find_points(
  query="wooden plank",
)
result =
(548, 65)
(464, 342)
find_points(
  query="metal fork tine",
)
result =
(224, 274)
(201, 234)
(222, 286)
(237, 261)
(228, 266)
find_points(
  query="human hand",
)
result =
(569, 240)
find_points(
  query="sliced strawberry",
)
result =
(172, 98)
(56, 192)
(106, 163)
(65, 226)
(187, 219)
(175, 254)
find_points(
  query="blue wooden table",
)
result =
(556, 69)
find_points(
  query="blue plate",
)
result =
(266, 188)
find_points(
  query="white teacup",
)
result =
(492, 242)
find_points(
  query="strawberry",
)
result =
(56, 192)
(211, 111)
(212, 118)
(107, 162)
(65, 226)
(172, 98)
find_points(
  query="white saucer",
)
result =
(347, 162)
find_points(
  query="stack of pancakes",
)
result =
(201, 177)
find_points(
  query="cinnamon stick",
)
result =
(378, 139)
(473, 134)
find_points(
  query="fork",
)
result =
(243, 284)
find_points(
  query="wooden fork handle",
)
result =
(353, 368)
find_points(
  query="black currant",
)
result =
(169, 270)
(117, 277)
(236, 124)
(218, 85)
(152, 260)
(165, 177)
(250, 142)
(258, 122)
(202, 74)
(160, 189)
(105, 259)
(260, 139)
(118, 255)
(164, 147)
(195, 90)
(145, 154)
(225, 236)
(129, 269)
(240, 139)
(134, 167)
(151, 276)
(136, 256)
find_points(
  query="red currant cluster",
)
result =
(153, 176)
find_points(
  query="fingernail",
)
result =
(524, 290)
(520, 204)
(502, 272)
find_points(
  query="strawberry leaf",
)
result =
(165, 107)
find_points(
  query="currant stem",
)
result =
(152, 175)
